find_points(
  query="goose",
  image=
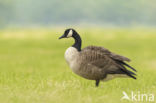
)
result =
(95, 62)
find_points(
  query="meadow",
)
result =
(33, 68)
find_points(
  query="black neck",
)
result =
(78, 42)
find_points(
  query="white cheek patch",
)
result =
(70, 33)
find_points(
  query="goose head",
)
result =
(72, 33)
(68, 33)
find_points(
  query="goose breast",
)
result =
(72, 56)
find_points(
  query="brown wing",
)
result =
(98, 57)
(105, 51)
(105, 60)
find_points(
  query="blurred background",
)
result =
(35, 13)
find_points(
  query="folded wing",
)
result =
(109, 62)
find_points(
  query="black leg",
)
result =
(97, 83)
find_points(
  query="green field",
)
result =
(33, 68)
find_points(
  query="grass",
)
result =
(33, 69)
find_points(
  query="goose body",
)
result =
(94, 62)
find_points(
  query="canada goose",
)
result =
(94, 62)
